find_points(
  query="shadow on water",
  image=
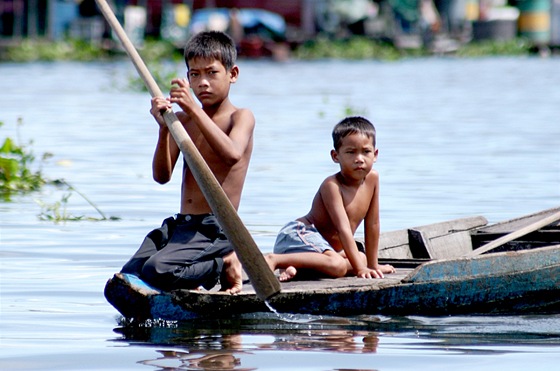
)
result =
(217, 344)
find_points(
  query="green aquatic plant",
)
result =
(162, 59)
(17, 172)
(515, 47)
(352, 48)
(353, 111)
(19, 175)
(29, 50)
(58, 211)
(162, 73)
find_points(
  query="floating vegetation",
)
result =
(20, 175)
(30, 50)
(17, 175)
(352, 48)
(513, 47)
(58, 211)
(349, 110)
(162, 73)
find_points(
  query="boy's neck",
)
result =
(214, 108)
(348, 181)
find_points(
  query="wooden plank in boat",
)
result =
(549, 235)
(435, 241)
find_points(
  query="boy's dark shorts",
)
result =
(186, 252)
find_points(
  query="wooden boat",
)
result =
(439, 272)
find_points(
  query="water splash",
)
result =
(292, 317)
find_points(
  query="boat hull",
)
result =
(527, 283)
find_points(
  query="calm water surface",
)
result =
(456, 138)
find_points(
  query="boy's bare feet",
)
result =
(285, 274)
(232, 276)
(387, 268)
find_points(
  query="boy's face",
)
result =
(356, 156)
(210, 80)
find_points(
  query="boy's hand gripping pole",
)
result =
(262, 278)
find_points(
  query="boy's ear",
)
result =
(334, 156)
(233, 74)
(376, 153)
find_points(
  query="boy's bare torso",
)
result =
(231, 178)
(356, 199)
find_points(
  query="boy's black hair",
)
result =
(351, 125)
(212, 45)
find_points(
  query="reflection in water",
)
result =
(217, 345)
(223, 344)
(177, 360)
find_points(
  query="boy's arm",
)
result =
(231, 145)
(167, 151)
(332, 199)
(372, 229)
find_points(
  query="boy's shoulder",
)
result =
(337, 180)
(243, 115)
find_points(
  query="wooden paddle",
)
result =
(516, 234)
(262, 278)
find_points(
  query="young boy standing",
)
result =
(191, 250)
(323, 240)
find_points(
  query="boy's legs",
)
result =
(156, 240)
(192, 258)
(329, 263)
(349, 268)
(301, 246)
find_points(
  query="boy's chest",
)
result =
(356, 201)
(196, 135)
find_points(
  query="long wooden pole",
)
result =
(262, 278)
(516, 234)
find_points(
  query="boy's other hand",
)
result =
(180, 94)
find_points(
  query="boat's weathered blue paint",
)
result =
(134, 298)
(485, 265)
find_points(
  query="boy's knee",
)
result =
(156, 274)
(149, 271)
(338, 266)
(340, 270)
